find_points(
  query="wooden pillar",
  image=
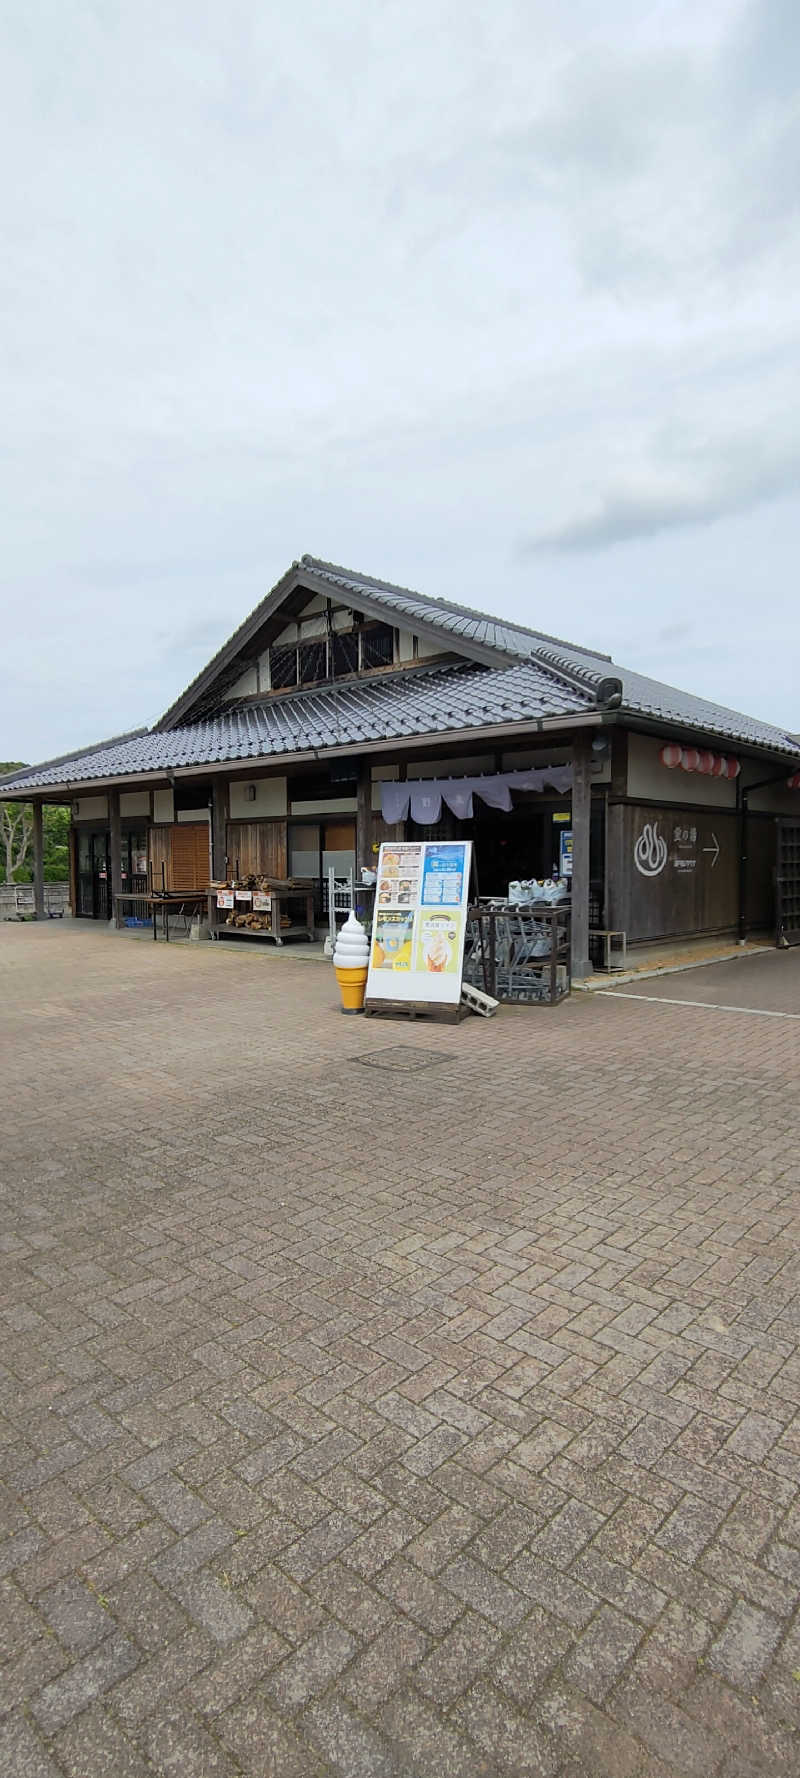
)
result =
(364, 817)
(615, 886)
(219, 821)
(38, 863)
(73, 871)
(115, 852)
(581, 825)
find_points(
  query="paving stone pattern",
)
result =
(391, 1423)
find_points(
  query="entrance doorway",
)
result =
(94, 870)
(94, 875)
(315, 847)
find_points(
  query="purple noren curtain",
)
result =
(395, 799)
(425, 795)
(426, 802)
(457, 793)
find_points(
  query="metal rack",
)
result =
(521, 956)
(787, 883)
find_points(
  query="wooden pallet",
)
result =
(415, 1009)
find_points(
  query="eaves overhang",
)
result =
(278, 763)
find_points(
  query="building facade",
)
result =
(346, 710)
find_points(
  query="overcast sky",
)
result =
(496, 300)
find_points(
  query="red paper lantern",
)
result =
(732, 767)
(706, 762)
(719, 768)
(690, 759)
(670, 755)
(794, 782)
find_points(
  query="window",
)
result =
(377, 646)
(338, 656)
(134, 856)
(345, 655)
(312, 661)
(304, 845)
(282, 667)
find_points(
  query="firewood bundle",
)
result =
(256, 922)
(265, 884)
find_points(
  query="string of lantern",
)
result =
(701, 759)
(794, 782)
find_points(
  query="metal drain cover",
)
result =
(403, 1058)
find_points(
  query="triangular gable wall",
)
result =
(300, 592)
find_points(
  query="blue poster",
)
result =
(443, 874)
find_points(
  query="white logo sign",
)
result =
(650, 851)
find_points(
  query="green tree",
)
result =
(56, 843)
(16, 836)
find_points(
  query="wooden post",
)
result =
(581, 826)
(615, 887)
(38, 863)
(115, 850)
(364, 817)
(619, 761)
(73, 872)
(219, 818)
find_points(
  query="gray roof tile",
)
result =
(458, 621)
(536, 675)
(644, 696)
(420, 702)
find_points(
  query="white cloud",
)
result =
(400, 285)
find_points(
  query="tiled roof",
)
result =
(420, 702)
(642, 696)
(647, 697)
(458, 621)
(509, 673)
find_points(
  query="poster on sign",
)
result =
(420, 921)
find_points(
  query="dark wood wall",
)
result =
(160, 853)
(761, 837)
(671, 871)
(260, 847)
(698, 885)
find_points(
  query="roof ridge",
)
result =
(492, 617)
(570, 670)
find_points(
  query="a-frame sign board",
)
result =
(419, 924)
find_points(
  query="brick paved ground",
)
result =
(389, 1423)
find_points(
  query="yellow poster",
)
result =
(439, 943)
(391, 941)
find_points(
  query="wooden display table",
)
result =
(271, 904)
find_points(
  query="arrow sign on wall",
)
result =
(714, 849)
